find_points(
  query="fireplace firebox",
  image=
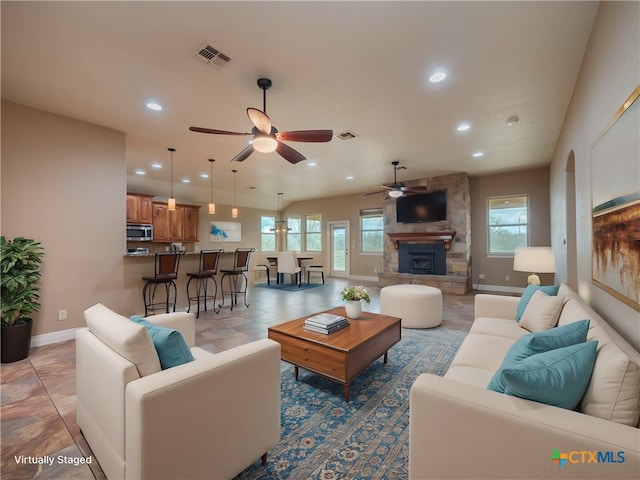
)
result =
(422, 258)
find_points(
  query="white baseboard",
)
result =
(54, 337)
(497, 288)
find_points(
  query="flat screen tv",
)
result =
(423, 207)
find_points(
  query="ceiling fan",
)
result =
(396, 189)
(266, 137)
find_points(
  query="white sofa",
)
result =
(461, 430)
(206, 419)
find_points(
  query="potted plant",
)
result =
(20, 261)
(354, 295)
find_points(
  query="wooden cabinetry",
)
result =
(179, 225)
(139, 208)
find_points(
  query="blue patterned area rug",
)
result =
(290, 287)
(368, 438)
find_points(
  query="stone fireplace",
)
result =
(432, 253)
(422, 258)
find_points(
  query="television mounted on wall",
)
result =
(423, 207)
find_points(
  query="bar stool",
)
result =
(207, 270)
(166, 271)
(240, 266)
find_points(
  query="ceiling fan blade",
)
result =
(216, 132)
(289, 154)
(373, 193)
(306, 136)
(416, 189)
(260, 119)
(244, 154)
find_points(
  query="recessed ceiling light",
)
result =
(311, 164)
(350, 177)
(204, 175)
(186, 180)
(437, 77)
(140, 172)
(478, 154)
(154, 106)
(156, 165)
(463, 127)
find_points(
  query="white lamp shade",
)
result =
(395, 193)
(534, 260)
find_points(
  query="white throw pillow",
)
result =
(129, 339)
(542, 312)
(613, 392)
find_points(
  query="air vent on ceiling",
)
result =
(346, 135)
(211, 56)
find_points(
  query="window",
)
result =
(294, 235)
(508, 224)
(371, 230)
(267, 235)
(313, 233)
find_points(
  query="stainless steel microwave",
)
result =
(139, 232)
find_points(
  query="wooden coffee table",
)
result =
(342, 355)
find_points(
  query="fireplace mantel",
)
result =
(445, 237)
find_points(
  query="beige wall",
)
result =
(535, 184)
(609, 73)
(63, 184)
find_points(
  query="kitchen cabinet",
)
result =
(139, 208)
(179, 225)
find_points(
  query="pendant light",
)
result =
(280, 225)
(212, 206)
(171, 203)
(234, 210)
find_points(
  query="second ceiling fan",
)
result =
(396, 189)
(266, 137)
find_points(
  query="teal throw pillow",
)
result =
(539, 342)
(170, 345)
(551, 290)
(558, 377)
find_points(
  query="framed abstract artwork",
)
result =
(225, 232)
(615, 205)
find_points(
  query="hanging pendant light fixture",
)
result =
(212, 206)
(171, 203)
(234, 210)
(281, 224)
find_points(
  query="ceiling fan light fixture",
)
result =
(264, 143)
(395, 193)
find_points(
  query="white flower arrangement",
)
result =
(355, 293)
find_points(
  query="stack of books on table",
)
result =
(325, 323)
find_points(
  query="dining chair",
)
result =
(287, 263)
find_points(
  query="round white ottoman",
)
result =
(418, 306)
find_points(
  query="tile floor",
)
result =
(38, 393)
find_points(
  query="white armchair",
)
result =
(209, 418)
(287, 264)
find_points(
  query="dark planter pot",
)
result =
(16, 342)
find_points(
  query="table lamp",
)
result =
(534, 259)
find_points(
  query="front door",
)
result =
(339, 248)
